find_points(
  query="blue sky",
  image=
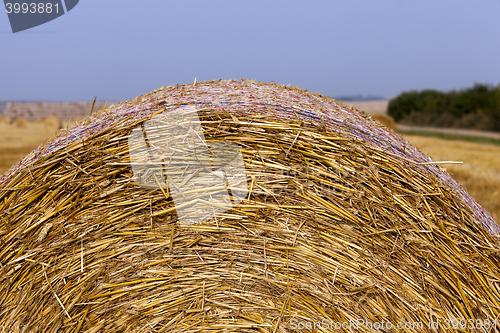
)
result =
(118, 49)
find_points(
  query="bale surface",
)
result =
(52, 123)
(333, 228)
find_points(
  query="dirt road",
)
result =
(453, 131)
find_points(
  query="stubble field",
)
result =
(479, 174)
(17, 142)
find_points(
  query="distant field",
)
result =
(369, 106)
(479, 175)
(480, 172)
(17, 142)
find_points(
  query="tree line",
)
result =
(476, 108)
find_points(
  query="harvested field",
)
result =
(16, 143)
(142, 219)
(5, 120)
(369, 107)
(480, 173)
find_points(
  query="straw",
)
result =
(333, 227)
(254, 98)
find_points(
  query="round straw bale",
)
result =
(52, 123)
(237, 206)
(385, 120)
(20, 122)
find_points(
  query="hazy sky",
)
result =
(118, 49)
